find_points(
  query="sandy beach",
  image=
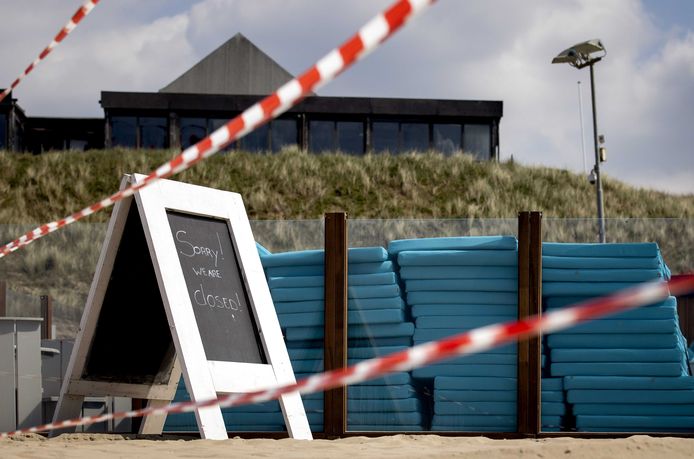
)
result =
(397, 446)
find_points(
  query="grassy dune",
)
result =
(294, 185)
(473, 197)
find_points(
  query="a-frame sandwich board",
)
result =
(179, 279)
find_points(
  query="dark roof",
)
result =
(135, 101)
(236, 67)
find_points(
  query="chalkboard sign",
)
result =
(216, 288)
(179, 289)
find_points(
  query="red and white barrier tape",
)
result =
(80, 14)
(363, 42)
(477, 340)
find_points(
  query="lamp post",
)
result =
(581, 55)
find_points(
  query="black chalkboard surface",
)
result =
(216, 288)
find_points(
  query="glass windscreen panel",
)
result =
(3, 131)
(193, 130)
(257, 140)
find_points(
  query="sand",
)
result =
(397, 446)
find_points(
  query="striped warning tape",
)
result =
(478, 340)
(363, 42)
(80, 14)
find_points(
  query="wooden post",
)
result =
(529, 304)
(335, 340)
(47, 315)
(3, 298)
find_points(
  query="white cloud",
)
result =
(476, 49)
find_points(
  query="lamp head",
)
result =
(582, 54)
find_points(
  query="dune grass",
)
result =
(477, 197)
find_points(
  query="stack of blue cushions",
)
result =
(376, 326)
(454, 285)
(554, 407)
(626, 372)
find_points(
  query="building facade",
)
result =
(232, 78)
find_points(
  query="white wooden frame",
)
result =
(204, 379)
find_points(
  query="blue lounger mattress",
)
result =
(553, 408)
(371, 352)
(380, 342)
(403, 405)
(600, 263)
(649, 313)
(383, 428)
(482, 285)
(559, 302)
(631, 383)
(292, 307)
(384, 418)
(319, 270)
(464, 297)
(634, 409)
(462, 323)
(431, 371)
(462, 421)
(477, 408)
(475, 383)
(319, 281)
(317, 293)
(483, 359)
(620, 249)
(624, 326)
(317, 257)
(458, 258)
(552, 396)
(613, 341)
(454, 243)
(584, 288)
(398, 330)
(464, 310)
(600, 275)
(619, 369)
(630, 396)
(674, 354)
(553, 384)
(465, 396)
(315, 319)
(381, 392)
(636, 422)
(458, 272)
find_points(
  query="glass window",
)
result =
(415, 137)
(124, 131)
(350, 137)
(193, 130)
(477, 140)
(447, 137)
(256, 140)
(215, 123)
(321, 136)
(283, 133)
(3, 131)
(384, 137)
(154, 132)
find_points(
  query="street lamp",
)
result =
(582, 55)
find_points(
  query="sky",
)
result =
(458, 49)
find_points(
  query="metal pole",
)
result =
(583, 136)
(598, 182)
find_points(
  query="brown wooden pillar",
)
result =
(3, 298)
(47, 315)
(335, 352)
(529, 304)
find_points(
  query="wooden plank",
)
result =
(28, 356)
(523, 390)
(47, 315)
(335, 340)
(535, 308)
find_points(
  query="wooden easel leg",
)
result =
(295, 417)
